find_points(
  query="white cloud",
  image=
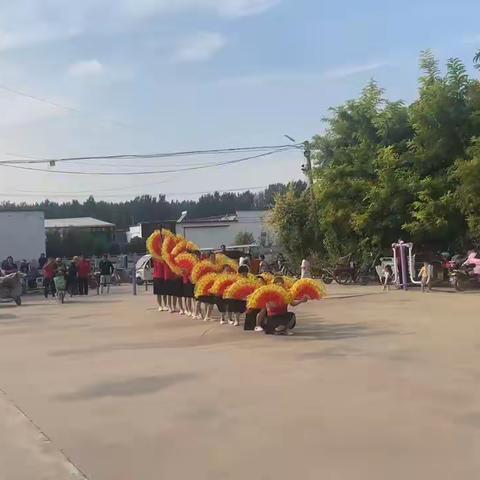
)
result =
(200, 47)
(85, 68)
(24, 23)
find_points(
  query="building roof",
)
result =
(214, 219)
(79, 222)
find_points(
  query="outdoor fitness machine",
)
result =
(404, 264)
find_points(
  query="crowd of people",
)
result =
(75, 274)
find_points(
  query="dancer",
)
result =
(187, 294)
(275, 317)
(159, 285)
(237, 307)
(252, 313)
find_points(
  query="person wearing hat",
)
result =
(72, 277)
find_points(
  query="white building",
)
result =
(22, 234)
(211, 232)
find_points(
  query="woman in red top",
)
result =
(275, 318)
(159, 284)
(170, 289)
(83, 272)
(48, 271)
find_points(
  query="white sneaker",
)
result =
(223, 322)
(230, 322)
(258, 329)
(236, 323)
(182, 312)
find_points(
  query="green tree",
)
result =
(244, 238)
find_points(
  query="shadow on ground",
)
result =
(128, 388)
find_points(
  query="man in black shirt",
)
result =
(106, 270)
(42, 261)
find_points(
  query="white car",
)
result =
(143, 270)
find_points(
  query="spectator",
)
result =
(106, 270)
(72, 277)
(305, 269)
(42, 261)
(83, 270)
(264, 267)
(49, 270)
(425, 277)
(25, 267)
(9, 266)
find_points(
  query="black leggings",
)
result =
(83, 286)
(49, 287)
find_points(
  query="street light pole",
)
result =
(308, 171)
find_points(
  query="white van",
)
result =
(143, 270)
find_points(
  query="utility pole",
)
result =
(308, 171)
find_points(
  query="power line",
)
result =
(69, 108)
(151, 172)
(217, 151)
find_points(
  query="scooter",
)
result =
(11, 287)
(463, 278)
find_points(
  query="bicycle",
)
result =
(61, 287)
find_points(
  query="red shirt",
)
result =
(273, 310)
(83, 269)
(158, 270)
(167, 273)
(48, 271)
(185, 279)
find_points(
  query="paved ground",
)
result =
(373, 386)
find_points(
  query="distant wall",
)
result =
(22, 235)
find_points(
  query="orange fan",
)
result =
(269, 294)
(203, 286)
(240, 290)
(192, 247)
(268, 277)
(186, 261)
(306, 287)
(154, 245)
(288, 282)
(202, 268)
(223, 281)
(179, 248)
(221, 259)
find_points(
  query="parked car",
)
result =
(143, 270)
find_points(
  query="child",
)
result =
(424, 275)
(387, 278)
(275, 318)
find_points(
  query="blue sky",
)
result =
(188, 74)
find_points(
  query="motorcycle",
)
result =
(345, 270)
(11, 287)
(463, 278)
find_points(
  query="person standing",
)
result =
(305, 269)
(263, 267)
(387, 278)
(106, 270)
(425, 277)
(9, 266)
(83, 271)
(49, 270)
(159, 285)
(72, 277)
(42, 261)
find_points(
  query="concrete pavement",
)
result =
(372, 386)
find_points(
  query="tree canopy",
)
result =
(384, 170)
